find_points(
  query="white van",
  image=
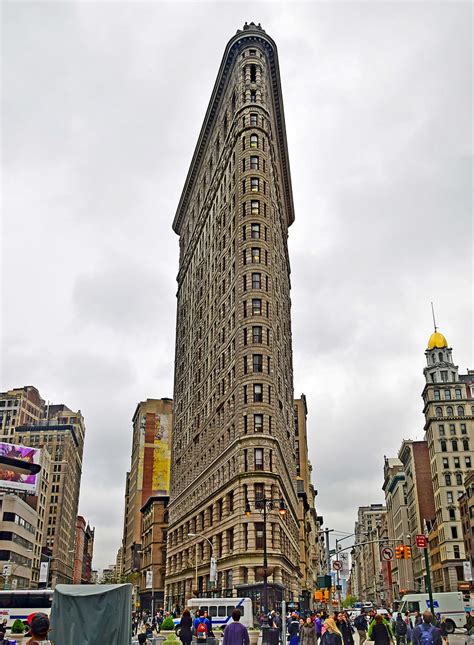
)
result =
(220, 609)
(449, 605)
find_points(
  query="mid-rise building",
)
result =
(84, 546)
(367, 573)
(153, 556)
(466, 513)
(420, 504)
(395, 489)
(449, 413)
(61, 433)
(18, 526)
(149, 478)
(233, 430)
(20, 406)
(307, 516)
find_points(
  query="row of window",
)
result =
(457, 462)
(257, 364)
(452, 429)
(254, 163)
(256, 336)
(255, 231)
(256, 184)
(256, 281)
(448, 479)
(257, 423)
(450, 411)
(255, 208)
(454, 445)
(447, 394)
(444, 376)
(255, 255)
(13, 517)
(254, 142)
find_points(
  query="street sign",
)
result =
(421, 541)
(337, 565)
(387, 553)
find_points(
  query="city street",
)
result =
(458, 638)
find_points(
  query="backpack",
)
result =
(201, 630)
(426, 634)
(401, 628)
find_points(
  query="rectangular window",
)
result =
(447, 479)
(458, 393)
(441, 430)
(243, 186)
(457, 462)
(245, 308)
(245, 365)
(449, 497)
(244, 281)
(258, 422)
(452, 429)
(245, 335)
(445, 462)
(245, 431)
(256, 255)
(253, 96)
(457, 553)
(257, 334)
(255, 231)
(452, 514)
(253, 119)
(255, 207)
(254, 162)
(463, 428)
(256, 307)
(436, 395)
(257, 392)
(259, 535)
(254, 184)
(257, 363)
(256, 280)
(447, 395)
(444, 376)
(258, 456)
(245, 394)
(468, 462)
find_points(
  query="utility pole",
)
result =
(328, 566)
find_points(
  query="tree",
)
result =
(349, 601)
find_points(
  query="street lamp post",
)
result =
(213, 564)
(265, 504)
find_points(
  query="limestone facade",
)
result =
(233, 431)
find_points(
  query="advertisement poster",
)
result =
(161, 455)
(43, 576)
(19, 467)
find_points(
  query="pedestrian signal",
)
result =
(407, 552)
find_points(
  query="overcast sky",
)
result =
(102, 107)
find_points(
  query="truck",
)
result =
(449, 605)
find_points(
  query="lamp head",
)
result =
(248, 510)
(282, 508)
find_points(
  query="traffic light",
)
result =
(407, 552)
(399, 552)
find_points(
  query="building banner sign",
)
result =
(149, 580)
(19, 467)
(467, 571)
(43, 574)
(161, 455)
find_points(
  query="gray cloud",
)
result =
(103, 103)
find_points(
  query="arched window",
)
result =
(433, 359)
(460, 411)
(465, 444)
(439, 412)
(253, 73)
(443, 446)
(449, 411)
(455, 446)
(440, 357)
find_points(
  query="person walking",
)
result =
(401, 630)
(39, 628)
(331, 635)
(235, 633)
(186, 627)
(318, 625)
(345, 628)
(294, 630)
(308, 633)
(426, 633)
(361, 625)
(202, 626)
(380, 631)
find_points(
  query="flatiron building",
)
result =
(233, 427)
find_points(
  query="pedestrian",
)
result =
(185, 628)
(361, 625)
(401, 630)
(345, 628)
(418, 618)
(142, 639)
(380, 631)
(3, 640)
(469, 626)
(235, 633)
(308, 633)
(443, 628)
(202, 626)
(294, 630)
(426, 633)
(318, 625)
(331, 635)
(39, 628)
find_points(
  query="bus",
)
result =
(23, 602)
(220, 609)
(449, 605)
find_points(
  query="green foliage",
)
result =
(167, 624)
(18, 627)
(170, 639)
(349, 601)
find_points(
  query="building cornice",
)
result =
(250, 34)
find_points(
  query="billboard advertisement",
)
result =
(19, 467)
(162, 455)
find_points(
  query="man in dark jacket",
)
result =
(361, 625)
